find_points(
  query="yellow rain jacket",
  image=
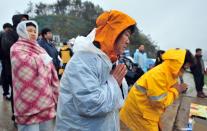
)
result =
(152, 93)
(65, 54)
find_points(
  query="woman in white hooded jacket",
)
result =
(91, 92)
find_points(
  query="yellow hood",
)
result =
(109, 25)
(174, 59)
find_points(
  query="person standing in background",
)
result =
(7, 27)
(140, 58)
(65, 54)
(46, 43)
(8, 39)
(198, 71)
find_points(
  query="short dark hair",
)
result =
(65, 43)
(189, 58)
(198, 49)
(30, 24)
(45, 31)
(7, 25)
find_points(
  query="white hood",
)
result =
(22, 29)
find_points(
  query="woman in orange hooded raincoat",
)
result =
(154, 91)
(90, 94)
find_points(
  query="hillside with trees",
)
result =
(70, 18)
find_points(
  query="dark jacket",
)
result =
(51, 50)
(197, 69)
(7, 40)
(1, 54)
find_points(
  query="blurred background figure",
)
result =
(46, 43)
(198, 71)
(140, 58)
(65, 54)
(7, 40)
(6, 28)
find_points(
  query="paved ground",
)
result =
(6, 123)
(175, 117)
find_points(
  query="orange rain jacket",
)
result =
(152, 93)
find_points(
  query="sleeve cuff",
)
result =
(175, 92)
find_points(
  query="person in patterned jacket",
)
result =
(35, 81)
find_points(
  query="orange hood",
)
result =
(109, 25)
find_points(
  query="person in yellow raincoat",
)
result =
(154, 91)
(65, 54)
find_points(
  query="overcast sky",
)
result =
(170, 23)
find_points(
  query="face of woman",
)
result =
(122, 42)
(31, 30)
